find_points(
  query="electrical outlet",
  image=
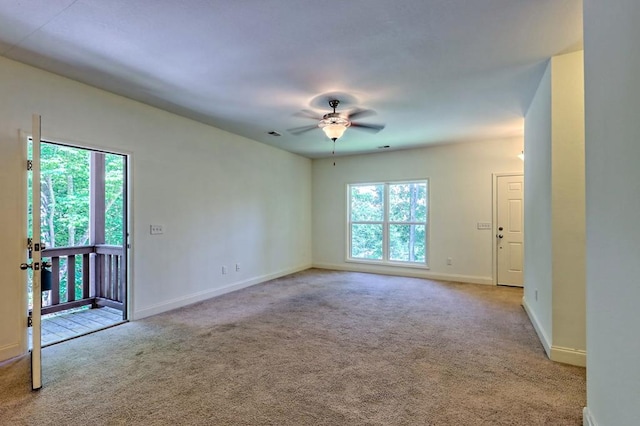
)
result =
(156, 229)
(224, 270)
(237, 267)
(449, 261)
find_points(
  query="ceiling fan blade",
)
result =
(305, 113)
(302, 129)
(360, 112)
(368, 127)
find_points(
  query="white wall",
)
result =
(537, 217)
(612, 94)
(568, 201)
(555, 210)
(460, 178)
(222, 199)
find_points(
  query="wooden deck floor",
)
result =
(66, 325)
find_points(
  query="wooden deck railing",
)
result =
(102, 277)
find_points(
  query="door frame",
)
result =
(24, 135)
(494, 244)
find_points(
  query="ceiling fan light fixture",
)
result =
(334, 131)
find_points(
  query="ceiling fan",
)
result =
(334, 123)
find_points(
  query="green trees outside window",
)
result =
(388, 222)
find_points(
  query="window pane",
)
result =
(65, 175)
(408, 202)
(367, 203)
(114, 186)
(407, 243)
(366, 241)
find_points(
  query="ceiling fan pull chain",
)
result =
(333, 153)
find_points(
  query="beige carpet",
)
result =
(313, 348)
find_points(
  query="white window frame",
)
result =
(386, 225)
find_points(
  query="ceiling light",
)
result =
(333, 124)
(334, 131)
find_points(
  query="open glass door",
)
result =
(77, 242)
(34, 258)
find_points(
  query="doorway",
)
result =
(509, 226)
(83, 209)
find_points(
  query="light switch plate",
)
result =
(484, 225)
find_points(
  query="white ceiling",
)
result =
(435, 71)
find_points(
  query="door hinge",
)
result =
(29, 164)
(29, 321)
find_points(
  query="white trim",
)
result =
(544, 339)
(494, 207)
(555, 353)
(587, 418)
(571, 356)
(130, 243)
(208, 294)
(404, 272)
(11, 350)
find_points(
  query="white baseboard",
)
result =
(542, 335)
(11, 350)
(571, 356)
(587, 418)
(555, 353)
(404, 272)
(208, 294)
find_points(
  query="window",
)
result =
(388, 222)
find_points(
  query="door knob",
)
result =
(499, 236)
(25, 266)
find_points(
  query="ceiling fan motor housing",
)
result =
(334, 118)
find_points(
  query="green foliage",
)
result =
(408, 202)
(64, 195)
(367, 205)
(366, 241)
(114, 201)
(407, 243)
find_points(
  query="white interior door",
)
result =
(510, 230)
